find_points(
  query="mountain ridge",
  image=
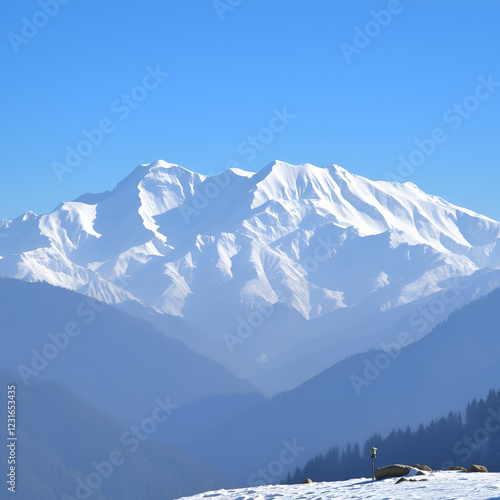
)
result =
(218, 250)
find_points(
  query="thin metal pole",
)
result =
(373, 469)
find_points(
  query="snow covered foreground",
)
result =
(439, 486)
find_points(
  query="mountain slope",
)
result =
(64, 442)
(116, 362)
(376, 391)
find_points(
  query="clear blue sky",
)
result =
(226, 77)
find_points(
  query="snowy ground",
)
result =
(439, 486)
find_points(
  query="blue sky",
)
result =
(359, 89)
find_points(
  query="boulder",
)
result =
(456, 467)
(396, 470)
(307, 481)
(403, 480)
(478, 468)
(422, 467)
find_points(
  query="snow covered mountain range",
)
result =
(275, 275)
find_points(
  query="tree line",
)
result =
(449, 441)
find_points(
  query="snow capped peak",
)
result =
(286, 172)
(160, 164)
(164, 187)
(29, 215)
(280, 166)
(338, 168)
(158, 169)
(411, 185)
(242, 173)
(340, 174)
